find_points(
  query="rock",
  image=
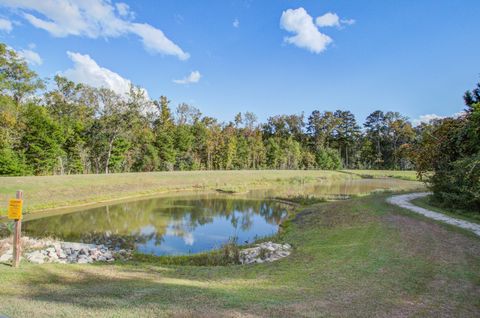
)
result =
(41, 251)
(77, 246)
(50, 250)
(61, 254)
(71, 259)
(264, 252)
(83, 259)
(7, 256)
(36, 257)
(53, 258)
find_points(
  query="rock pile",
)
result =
(48, 251)
(41, 251)
(264, 252)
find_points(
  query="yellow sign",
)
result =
(15, 209)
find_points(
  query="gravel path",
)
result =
(404, 202)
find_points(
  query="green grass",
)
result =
(62, 191)
(426, 203)
(359, 257)
(404, 175)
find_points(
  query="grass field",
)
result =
(60, 191)
(360, 257)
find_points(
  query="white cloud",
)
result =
(347, 21)
(5, 25)
(236, 23)
(92, 19)
(193, 77)
(31, 57)
(327, 20)
(124, 10)
(429, 117)
(330, 19)
(426, 119)
(307, 35)
(86, 70)
(188, 238)
(155, 41)
(459, 114)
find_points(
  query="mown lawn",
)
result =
(361, 257)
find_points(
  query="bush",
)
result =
(459, 186)
(10, 164)
(328, 159)
(448, 156)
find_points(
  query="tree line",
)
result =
(73, 128)
(447, 154)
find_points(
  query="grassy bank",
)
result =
(360, 257)
(404, 175)
(425, 203)
(60, 191)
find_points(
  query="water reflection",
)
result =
(166, 225)
(338, 188)
(180, 225)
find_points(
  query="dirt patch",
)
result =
(446, 251)
(210, 313)
(433, 240)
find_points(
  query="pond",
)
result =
(166, 226)
(179, 225)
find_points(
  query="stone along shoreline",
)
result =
(41, 251)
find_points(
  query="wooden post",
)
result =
(17, 235)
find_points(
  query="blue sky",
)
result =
(416, 57)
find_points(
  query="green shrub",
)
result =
(328, 159)
(459, 186)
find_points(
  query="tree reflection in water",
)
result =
(165, 225)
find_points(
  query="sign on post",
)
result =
(15, 209)
(15, 213)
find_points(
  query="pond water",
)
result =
(178, 225)
(166, 226)
(338, 188)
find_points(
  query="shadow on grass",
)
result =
(102, 287)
